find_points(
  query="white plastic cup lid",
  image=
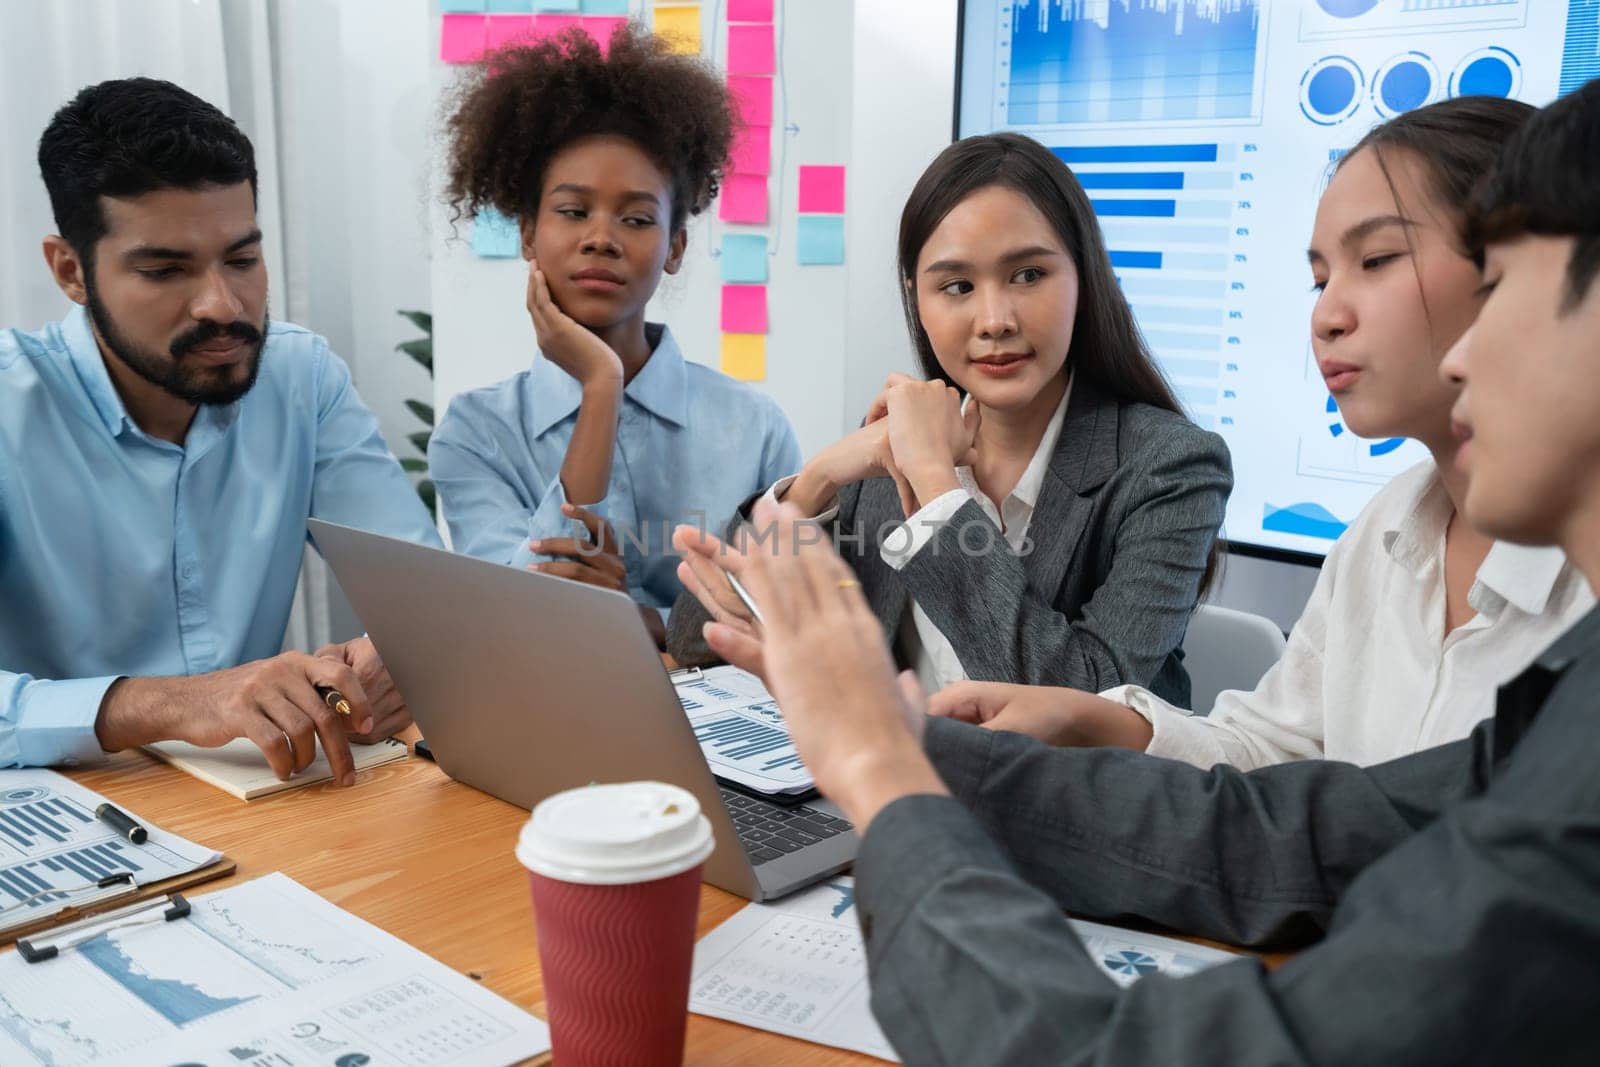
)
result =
(615, 834)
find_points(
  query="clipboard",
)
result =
(150, 891)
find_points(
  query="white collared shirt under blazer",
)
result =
(919, 641)
(1370, 674)
(922, 643)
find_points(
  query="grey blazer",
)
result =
(1125, 522)
(1455, 893)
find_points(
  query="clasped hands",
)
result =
(915, 432)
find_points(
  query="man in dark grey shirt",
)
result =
(1454, 895)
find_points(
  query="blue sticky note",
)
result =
(821, 240)
(495, 237)
(510, 7)
(744, 258)
(553, 5)
(605, 7)
(463, 7)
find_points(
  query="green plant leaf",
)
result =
(420, 319)
(430, 497)
(420, 440)
(420, 350)
(421, 410)
(415, 466)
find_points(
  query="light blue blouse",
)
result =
(692, 444)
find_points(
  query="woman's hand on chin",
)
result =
(568, 343)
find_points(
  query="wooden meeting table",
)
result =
(423, 857)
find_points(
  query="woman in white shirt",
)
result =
(1415, 617)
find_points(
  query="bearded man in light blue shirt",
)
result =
(161, 449)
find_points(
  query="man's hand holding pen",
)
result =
(390, 714)
(273, 702)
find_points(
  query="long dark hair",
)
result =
(1456, 142)
(1107, 348)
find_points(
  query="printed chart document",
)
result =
(264, 974)
(1127, 955)
(238, 767)
(741, 732)
(796, 967)
(53, 848)
(799, 967)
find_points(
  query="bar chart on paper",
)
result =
(52, 847)
(750, 736)
(742, 732)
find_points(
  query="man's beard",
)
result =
(194, 385)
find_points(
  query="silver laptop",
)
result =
(526, 685)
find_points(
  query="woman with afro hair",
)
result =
(580, 466)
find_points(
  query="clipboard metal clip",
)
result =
(684, 675)
(144, 912)
(93, 893)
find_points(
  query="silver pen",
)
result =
(744, 595)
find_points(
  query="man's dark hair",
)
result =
(129, 137)
(1545, 184)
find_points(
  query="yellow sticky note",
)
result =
(744, 356)
(680, 25)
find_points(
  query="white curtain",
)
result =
(335, 98)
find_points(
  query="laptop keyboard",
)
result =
(769, 831)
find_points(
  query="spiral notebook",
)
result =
(238, 767)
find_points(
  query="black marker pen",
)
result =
(119, 821)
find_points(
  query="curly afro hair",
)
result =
(510, 116)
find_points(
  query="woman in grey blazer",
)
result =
(1039, 509)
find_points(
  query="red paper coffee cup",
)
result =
(615, 872)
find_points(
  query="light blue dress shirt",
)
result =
(692, 445)
(122, 554)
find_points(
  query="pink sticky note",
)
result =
(509, 29)
(752, 151)
(749, 10)
(546, 26)
(602, 27)
(751, 51)
(822, 190)
(744, 309)
(744, 198)
(752, 98)
(461, 38)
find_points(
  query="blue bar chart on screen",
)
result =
(1204, 132)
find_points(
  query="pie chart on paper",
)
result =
(1132, 964)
